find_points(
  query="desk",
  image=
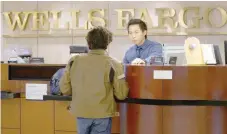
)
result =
(21, 116)
(192, 102)
(195, 85)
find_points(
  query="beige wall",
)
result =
(56, 50)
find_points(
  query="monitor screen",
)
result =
(174, 53)
(225, 49)
(78, 49)
(217, 54)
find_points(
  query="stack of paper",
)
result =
(35, 91)
(208, 54)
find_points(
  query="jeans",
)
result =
(94, 126)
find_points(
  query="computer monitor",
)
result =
(37, 60)
(217, 54)
(225, 48)
(174, 52)
(78, 49)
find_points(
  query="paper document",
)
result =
(208, 53)
(162, 74)
(35, 91)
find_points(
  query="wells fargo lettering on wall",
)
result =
(166, 16)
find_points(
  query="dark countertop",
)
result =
(152, 101)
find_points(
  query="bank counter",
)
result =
(162, 100)
(21, 116)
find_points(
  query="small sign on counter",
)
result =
(35, 91)
(162, 74)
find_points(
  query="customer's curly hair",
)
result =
(99, 38)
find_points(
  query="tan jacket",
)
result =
(88, 82)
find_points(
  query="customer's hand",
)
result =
(138, 61)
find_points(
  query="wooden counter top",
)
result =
(188, 83)
(13, 64)
(15, 76)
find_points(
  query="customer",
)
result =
(88, 79)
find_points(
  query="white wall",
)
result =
(56, 50)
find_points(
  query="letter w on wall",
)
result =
(13, 22)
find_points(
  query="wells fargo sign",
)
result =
(166, 16)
